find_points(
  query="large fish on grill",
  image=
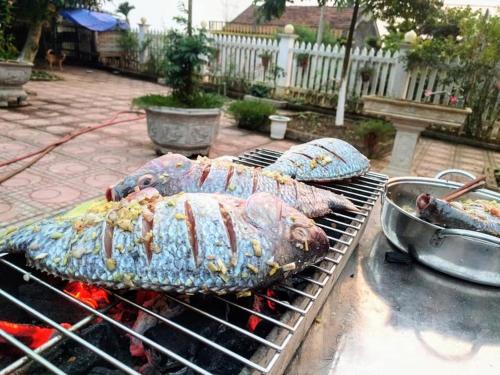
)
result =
(477, 215)
(188, 243)
(325, 159)
(173, 173)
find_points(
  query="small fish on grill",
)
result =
(187, 243)
(173, 173)
(325, 159)
(477, 215)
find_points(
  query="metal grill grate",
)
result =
(277, 348)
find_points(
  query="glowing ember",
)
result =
(90, 295)
(271, 304)
(253, 320)
(30, 335)
(258, 306)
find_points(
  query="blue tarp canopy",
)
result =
(95, 21)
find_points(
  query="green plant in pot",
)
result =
(13, 74)
(303, 60)
(187, 120)
(265, 58)
(366, 73)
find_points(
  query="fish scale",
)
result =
(325, 159)
(224, 244)
(173, 173)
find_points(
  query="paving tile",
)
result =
(11, 115)
(35, 122)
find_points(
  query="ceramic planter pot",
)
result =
(13, 75)
(278, 126)
(181, 130)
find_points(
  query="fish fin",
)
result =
(339, 202)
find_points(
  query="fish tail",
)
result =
(339, 202)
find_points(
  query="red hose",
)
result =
(45, 150)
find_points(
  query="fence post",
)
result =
(285, 56)
(400, 77)
(143, 30)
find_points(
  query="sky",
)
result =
(160, 13)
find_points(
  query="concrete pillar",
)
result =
(404, 147)
(285, 56)
(143, 30)
(400, 77)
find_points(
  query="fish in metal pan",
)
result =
(188, 243)
(479, 215)
(173, 173)
(325, 159)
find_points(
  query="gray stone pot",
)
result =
(181, 130)
(13, 75)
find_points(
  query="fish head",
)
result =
(304, 240)
(157, 173)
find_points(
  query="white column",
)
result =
(400, 77)
(285, 56)
(143, 30)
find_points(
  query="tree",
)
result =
(125, 8)
(36, 13)
(399, 14)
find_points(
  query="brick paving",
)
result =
(84, 167)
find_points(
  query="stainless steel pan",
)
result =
(465, 254)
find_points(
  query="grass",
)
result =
(199, 101)
(40, 75)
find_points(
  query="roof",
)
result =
(95, 21)
(337, 18)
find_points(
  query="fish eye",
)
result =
(145, 181)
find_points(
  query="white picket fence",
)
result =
(311, 69)
(243, 57)
(323, 69)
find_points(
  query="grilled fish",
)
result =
(480, 215)
(325, 159)
(173, 173)
(187, 243)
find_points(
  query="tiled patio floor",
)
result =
(84, 167)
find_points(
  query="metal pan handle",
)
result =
(471, 235)
(441, 174)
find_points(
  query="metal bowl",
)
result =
(465, 254)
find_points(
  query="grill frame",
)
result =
(279, 346)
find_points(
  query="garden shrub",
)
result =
(372, 132)
(251, 114)
(260, 90)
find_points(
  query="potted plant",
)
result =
(303, 60)
(366, 73)
(13, 73)
(187, 120)
(266, 57)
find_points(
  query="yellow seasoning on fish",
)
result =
(56, 235)
(110, 264)
(257, 249)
